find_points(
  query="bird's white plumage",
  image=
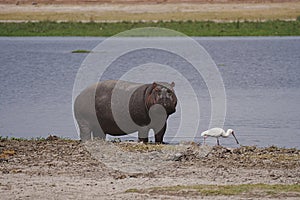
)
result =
(218, 132)
(214, 132)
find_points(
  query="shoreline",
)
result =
(144, 21)
(189, 28)
(70, 169)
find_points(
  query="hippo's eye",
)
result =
(158, 90)
(169, 94)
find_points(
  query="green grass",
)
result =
(81, 51)
(225, 190)
(190, 28)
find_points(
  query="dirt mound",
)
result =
(46, 156)
(254, 157)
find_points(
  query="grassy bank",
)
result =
(190, 28)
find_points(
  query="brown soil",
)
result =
(136, 1)
(67, 169)
(112, 12)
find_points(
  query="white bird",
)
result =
(218, 132)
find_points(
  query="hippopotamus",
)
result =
(119, 108)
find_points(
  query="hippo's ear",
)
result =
(154, 85)
(172, 84)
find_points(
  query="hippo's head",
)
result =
(162, 93)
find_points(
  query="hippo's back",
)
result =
(107, 104)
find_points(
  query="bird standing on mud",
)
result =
(218, 132)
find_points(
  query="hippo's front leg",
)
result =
(143, 134)
(159, 134)
(98, 133)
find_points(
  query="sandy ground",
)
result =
(151, 12)
(62, 169)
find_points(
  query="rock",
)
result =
(52, 138)
(203, 151)
(177, 157)
(3, 160)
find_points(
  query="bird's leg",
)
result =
(204, 140)
(218, 141)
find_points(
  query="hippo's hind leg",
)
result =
(159, 134)
(143, 134)
(85, 131)
(98, 133)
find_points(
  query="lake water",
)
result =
(261, 77)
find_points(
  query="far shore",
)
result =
(116, 12)
(189, 28)
(230, 18)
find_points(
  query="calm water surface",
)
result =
(261, 78)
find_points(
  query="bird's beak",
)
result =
(235, 139)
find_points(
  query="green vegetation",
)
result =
(190, 28)
(227, 190)
(81, 51)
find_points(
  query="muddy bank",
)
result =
(69, 169)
